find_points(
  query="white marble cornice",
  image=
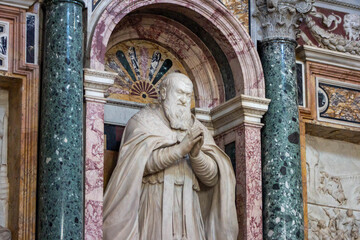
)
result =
(329, 57)
(18, 3)
(348, 4)
(96, 83)
(233, 113)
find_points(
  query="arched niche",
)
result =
(187, 49)
(217, 31)
(220, 58)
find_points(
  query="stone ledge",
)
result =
(233, 113)
(329, 57)
(96, 83)
(18, 3)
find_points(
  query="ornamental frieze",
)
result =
(333, 30)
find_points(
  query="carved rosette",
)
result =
(281, 18)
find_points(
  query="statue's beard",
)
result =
(179, 116)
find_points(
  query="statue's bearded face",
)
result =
(177, 104)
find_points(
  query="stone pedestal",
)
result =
(60, 193)
(95, 84)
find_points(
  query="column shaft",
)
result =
(282, 189)
(60, 191)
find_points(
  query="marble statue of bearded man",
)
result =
(171, 181)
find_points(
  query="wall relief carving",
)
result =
(332, 30)
(333, 185)
(333, 223)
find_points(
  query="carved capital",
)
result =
(281, 18)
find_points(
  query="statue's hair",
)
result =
(169, 80)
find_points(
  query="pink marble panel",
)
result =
(248, 179)
(219, 140)
(226, 30)
(94, 170)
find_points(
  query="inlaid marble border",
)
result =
(335, 84)
(303, 83)
(4, 40)
(36, 38)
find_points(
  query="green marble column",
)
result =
(60, 175)
(282, 188)
(283, 216)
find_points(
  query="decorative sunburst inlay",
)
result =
(141, 66)
(144, 89)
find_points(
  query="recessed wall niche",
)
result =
(10, 91)
(4, 181)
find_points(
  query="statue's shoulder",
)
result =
(147, 115)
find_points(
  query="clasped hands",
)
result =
(192, 142)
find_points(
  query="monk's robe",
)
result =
(155, 193)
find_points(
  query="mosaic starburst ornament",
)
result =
(141, 66)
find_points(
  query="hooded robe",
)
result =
(208, 212)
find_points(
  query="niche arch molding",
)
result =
(212, 16)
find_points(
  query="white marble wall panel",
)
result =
(333, 185)
(4, 183)
(119, 112)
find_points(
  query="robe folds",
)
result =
(147, 131)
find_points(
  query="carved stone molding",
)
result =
(325, 56)
(95, 84)
(328, 34)
(233, 113)
(19, 3)
(341, 3)
(281, 18)
(22, 81)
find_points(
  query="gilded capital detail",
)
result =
(281, 18)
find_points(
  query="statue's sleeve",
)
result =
(205, 169)
(162, 158)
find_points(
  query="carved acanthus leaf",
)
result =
(281, 18)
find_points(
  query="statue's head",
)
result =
(175, 97)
